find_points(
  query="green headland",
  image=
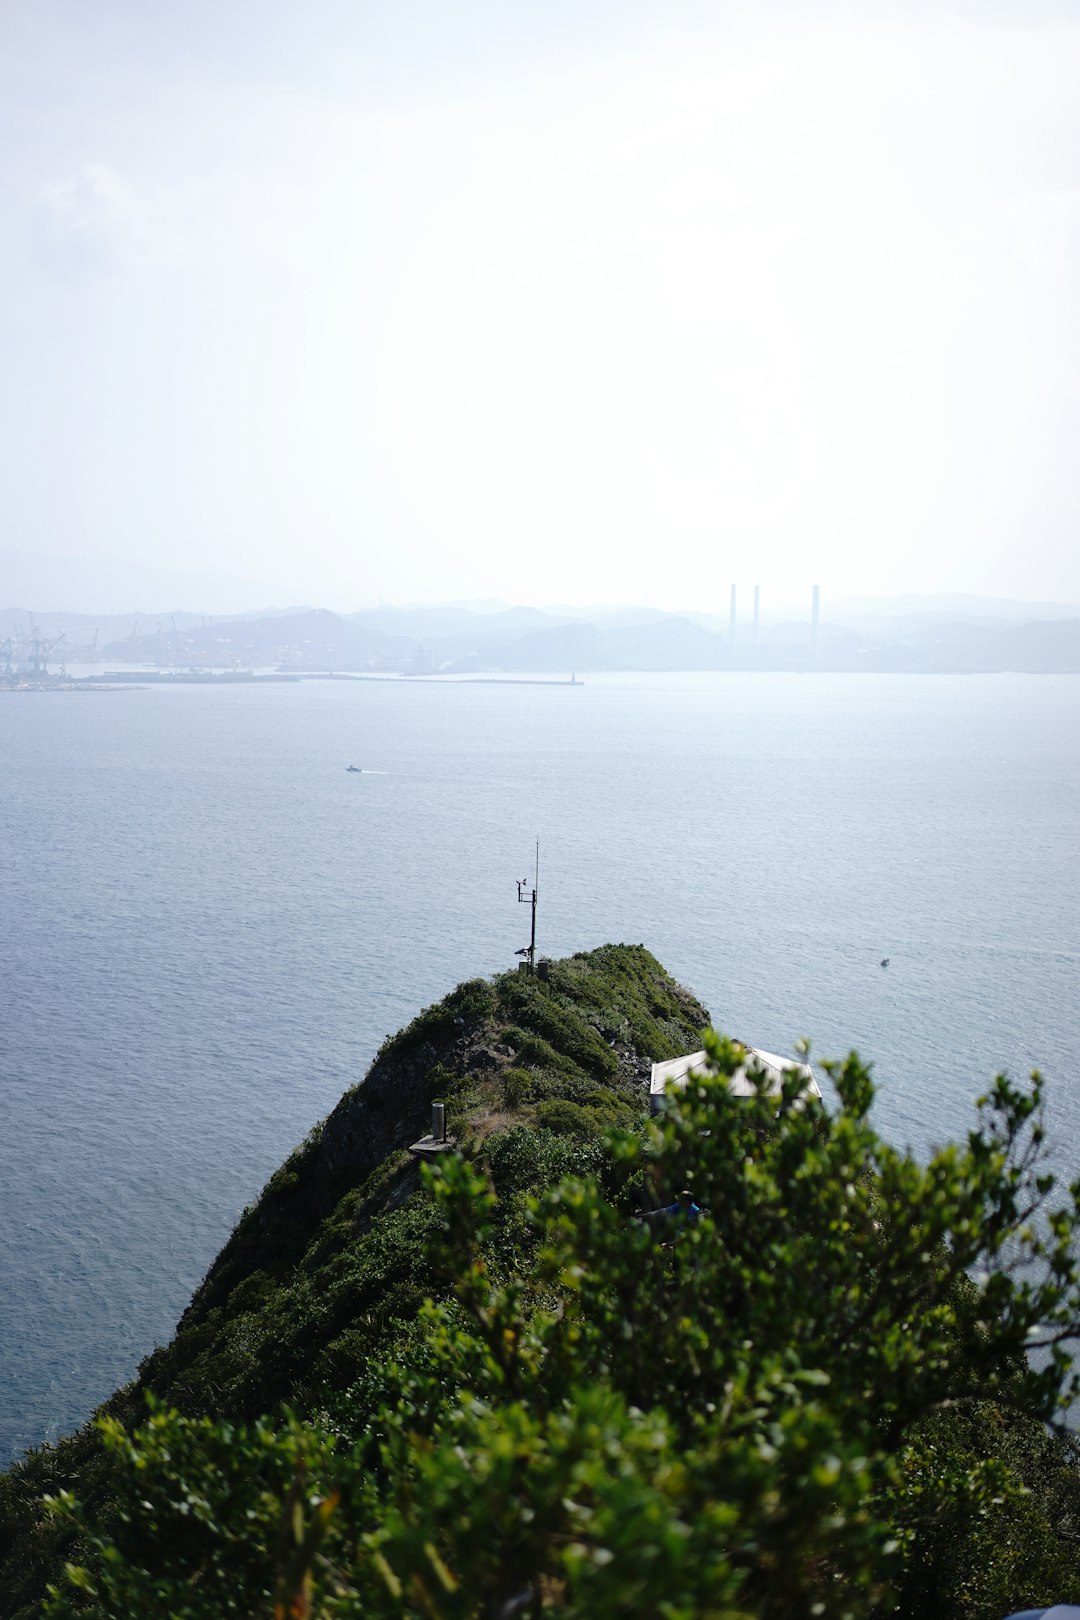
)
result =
(485, 1385)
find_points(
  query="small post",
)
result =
(438, 1122)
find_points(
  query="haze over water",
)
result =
(209, 927)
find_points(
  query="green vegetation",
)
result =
(491, 1389)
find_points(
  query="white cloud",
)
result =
(87, 222)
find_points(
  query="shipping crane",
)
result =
(38, 658)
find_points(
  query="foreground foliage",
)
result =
(819, 1398)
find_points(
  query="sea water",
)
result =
(207, 926)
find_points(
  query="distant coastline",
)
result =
(519, 644)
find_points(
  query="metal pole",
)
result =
(529, 896)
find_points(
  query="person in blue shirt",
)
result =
(684, 1208)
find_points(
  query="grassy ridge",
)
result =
(490, 1386)
(321, 1272)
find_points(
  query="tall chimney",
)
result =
(757, 613)
(731, 627)
(815, 625)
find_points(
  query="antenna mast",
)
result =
(526, 897)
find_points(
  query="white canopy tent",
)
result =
(676, 1071)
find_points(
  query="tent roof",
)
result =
(678, 1070)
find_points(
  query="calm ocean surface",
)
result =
(207, 927)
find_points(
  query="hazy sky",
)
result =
(563, 300)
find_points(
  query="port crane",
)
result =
(37, 662)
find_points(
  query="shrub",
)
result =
(517, 1087)
(813, 1395)
(557, 1022)
(566, 1118)
(528, 1159)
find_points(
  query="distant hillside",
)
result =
(668, 643)
(461, 641)
(1047, 646)
(449, 622)
(676, 643)
(311, 640)
(80, 636)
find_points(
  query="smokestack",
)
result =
(757, 613)
(731, 626)
(815, 625)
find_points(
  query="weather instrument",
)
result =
(527, 897)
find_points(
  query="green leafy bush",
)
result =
(518, 1087)
(556, 1021)
(534, 1051)
(528, 1160)
(566, 1118)
(815, 1399)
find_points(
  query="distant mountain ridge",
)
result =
(423, 642)
(455, 639)
(313, 639)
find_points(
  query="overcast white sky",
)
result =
(564, 300)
